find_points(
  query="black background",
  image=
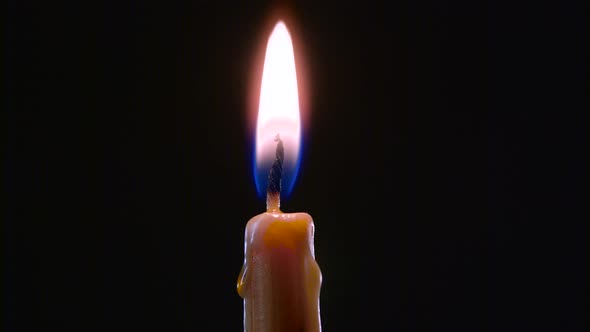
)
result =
(444, 164)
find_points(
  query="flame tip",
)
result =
(281, 26)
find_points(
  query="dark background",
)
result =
(444, 163)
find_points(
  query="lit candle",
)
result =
(280, 279)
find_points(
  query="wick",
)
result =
(273, 190)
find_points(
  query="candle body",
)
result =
(280, 280)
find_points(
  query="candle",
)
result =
(280, 279)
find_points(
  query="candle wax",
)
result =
(280, 279)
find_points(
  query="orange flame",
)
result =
(278, 111)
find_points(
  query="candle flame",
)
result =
(278, 111)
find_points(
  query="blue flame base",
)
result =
(262, 170)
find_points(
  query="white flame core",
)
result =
(278, 111)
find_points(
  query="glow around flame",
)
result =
(278, 111)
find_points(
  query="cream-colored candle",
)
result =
(280, 279)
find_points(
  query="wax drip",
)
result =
(273, 190)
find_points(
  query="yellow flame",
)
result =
(278, 111)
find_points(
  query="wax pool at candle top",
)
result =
(280, 279)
